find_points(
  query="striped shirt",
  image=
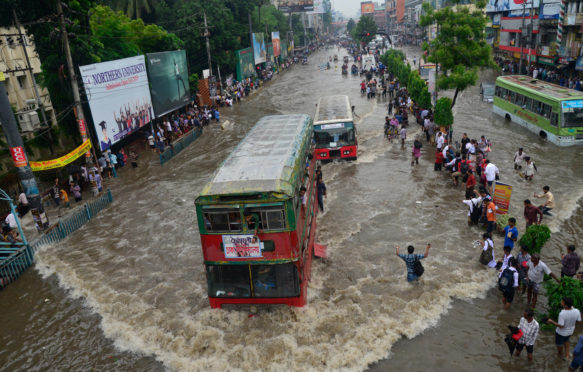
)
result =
(530, 331)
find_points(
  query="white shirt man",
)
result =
(568, 318)
(491, 172)
(22, 199)
(11, 221)
(439, 140)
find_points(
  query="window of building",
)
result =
(21, 81)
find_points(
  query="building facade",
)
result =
(19, 83)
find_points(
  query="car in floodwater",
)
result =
(487, 91)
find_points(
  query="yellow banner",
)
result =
(63, 160)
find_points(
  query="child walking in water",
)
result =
(416, 152)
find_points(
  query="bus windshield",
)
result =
(334, 135)
(573, 117)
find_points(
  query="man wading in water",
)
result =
(411, 259)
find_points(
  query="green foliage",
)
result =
(417, 88)
(502, 220)
(350, 25)
(193, 83)
(133, 8)
(569, 287)
(459, 47)
(366, 24)
(119, 37)
(535, 237)
(443, 113)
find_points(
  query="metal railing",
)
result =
(14, 260)
(180, 145)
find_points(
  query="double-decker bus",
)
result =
(552, 111)
(257, 224)
(334, 130)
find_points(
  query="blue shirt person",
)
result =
(410, 259)
(577, 356)
(510, 233)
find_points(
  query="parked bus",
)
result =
(424, 70)
(552, 111)
(334, 130)
(257, 230)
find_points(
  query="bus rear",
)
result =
(334, 129)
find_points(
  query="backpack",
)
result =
(476, 213)
(486, 255)
(464, 167)
(418, 267)
(506, 281)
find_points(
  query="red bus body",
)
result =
(334, 129)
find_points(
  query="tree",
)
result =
(460, 47)
(350, 25)
(443, 113)
(365, 29)
(133, 8)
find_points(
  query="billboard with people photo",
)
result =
(293, 6)
(168, 73)
(119, 98)
(259, 48)
(276, 43)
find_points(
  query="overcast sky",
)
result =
(348, 7)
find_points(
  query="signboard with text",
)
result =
(119, 98)
(293, 6)
(502, 193)
(505, 5)
(259, 47)
(241, 246)
(18, 156)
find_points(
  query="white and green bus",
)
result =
(550, 110)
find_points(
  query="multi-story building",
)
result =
(19, 83)
(395, 12)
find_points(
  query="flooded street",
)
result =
(128, 290)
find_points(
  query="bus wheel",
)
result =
(543, 134)
(507, 117)
(354, 158)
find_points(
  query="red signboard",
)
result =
(82, 129)
(18, 156)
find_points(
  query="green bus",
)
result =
(553, 112)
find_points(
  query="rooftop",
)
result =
(333, 108)
(265, 159)
(553, 90)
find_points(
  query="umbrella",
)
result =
(512, 338)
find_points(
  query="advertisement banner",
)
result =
(168, 74)
(259, 48)
(551, 10)
(367, 7)
(276, 43)
(18, 156)
(119, 98)
(241, 246)
(293, 6)
(504, 5)
(245, 64)
(318, 7)
(502, 193)
(63, 160)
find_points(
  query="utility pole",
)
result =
(20, 159)
(37, 95)
(531, 46)
(79, 114)
(208, 45)
(521, 40)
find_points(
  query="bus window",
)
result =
(275, 280)
(528, 104)
(547, 111)
(228, 280)
(222, 220)
(573, 117)
(270, 218)
(554, 119)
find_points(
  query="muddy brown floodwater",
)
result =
(128, 290)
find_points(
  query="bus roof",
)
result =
(266, 159)
(540, 87)
(333, 109)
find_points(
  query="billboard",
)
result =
(168, 73)
(367, 7)
(276, 43)
(245, 63)
(504, 5)
(291, 6)
(318, 7)
(119, 98)
(551, 10)
(259, 49)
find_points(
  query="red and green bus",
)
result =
(334, 130)
(257, 224)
